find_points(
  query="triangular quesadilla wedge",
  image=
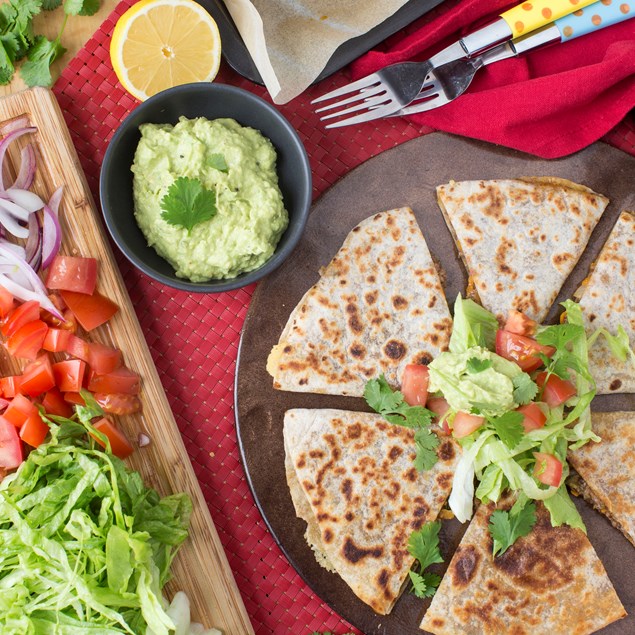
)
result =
(353, 481)
(607, 469)
(550, 581)
(378, 306)
(607, 300)
(520, 238)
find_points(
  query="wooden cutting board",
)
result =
(200, 568)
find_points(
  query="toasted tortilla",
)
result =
(608, 469)
(352, 478)
(607, 300)
(520, 239)
(378, 306)
(550, 581)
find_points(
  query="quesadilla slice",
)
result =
(353, 481)
(520, 239)
(607, 469)
(607, 301)
(550, 581)
(377, 307)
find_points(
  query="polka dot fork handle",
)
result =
(529, 16)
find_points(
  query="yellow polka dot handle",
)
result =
(528, 16)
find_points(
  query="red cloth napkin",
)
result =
(550, 102)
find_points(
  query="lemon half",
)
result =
(158, 44)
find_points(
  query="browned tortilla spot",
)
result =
(464, 565)
(353, 553)
(394, 349)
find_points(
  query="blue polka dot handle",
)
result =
(594, 17)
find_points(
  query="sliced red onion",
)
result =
(18, 250)
(51, 236)
(143, 440)
(27, 200)
(14, 124)
(25, 177)
(33, 247)
(11, 224)
(13, 208)
(56, 199)
(6, 142)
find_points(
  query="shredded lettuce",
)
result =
(473, 326)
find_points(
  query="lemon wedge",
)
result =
(158, 44)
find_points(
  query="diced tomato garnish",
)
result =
(19, 410)
(119, 444)
(10, 446)
(10, 386)
(21, 315)
(4, 404)
(414, 384)
(439, 406)
(103, 359)
(37, 377)
(556, 391)
(534, 417)
(56, 340)
(548, 469)
(519, 323)
(69, 375)
(74, 398)
(464, 424)
(77, 347)
(520, 349)
(34, 430)
(72, 273)
(27, 341)
(121, 380)
(91, 311)
(118, 404)
(54, 404)
(6, 302)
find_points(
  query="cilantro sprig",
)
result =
(563, 337)
(476, 365)
(187, 203)
(509, 427)
(391, 405)
(423, 545)
(506, 527)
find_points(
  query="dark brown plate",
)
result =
(406, 175)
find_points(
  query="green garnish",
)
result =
(187, 203)
(391, 405)
(509, 428)
(564, 338)
(476, 365)
(217, 161)
(423, 545)
(506, 527)
(525, 389)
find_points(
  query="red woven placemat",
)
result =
(194, 338)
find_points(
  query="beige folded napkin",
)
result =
(291, 41)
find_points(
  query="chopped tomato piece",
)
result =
(10, 386)
(556, 390)
(4, 404)
(37, 377)
(74, 398)
(54, 404)
(69, 375)
(534, 417)
(520, 349)
(118, 404)
(10, 446)
(21, 315)
(439, 406)
(77, 347)
(72, 273)
(464, 424)
(91, 311)
(34, 430)
(414, 384)
(56, 340)
(119, 444)
(103, 359)
(548, 469)
(121, 380)
(27, 341)
(519, 323)
(6, 302)
(19, 410)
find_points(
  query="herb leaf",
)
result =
(424, 585)
(423, 545)
(525, 389)
(476, 365)
(36, 70)
(426, 442)
(187, 203)
(509, 428)
(217, 161)
(81, 7)
(506, 527)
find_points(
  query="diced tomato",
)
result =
(548, 469)
(19, 410)
(72, 273)
(10, 446)
(74, 398)
(37, 377)
(56, 340)
(519, 323)
(119, 444)
(414, 384)
(91, 311)
(118, 404)
(21, 315)
(520, 349)
(27, 341)
(121, 380)
(465, 424)
(6, 302)
(77, 347)
(439, 406)
(4, 404)
(34, 431)
(534, 417)
(10, 386)
(103, 359)
(556, 391)
(54, 404)
(69, 375)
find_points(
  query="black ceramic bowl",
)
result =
(212, 101)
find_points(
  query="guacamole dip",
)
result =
(238, 164)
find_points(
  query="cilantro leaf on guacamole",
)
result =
(187, 203)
